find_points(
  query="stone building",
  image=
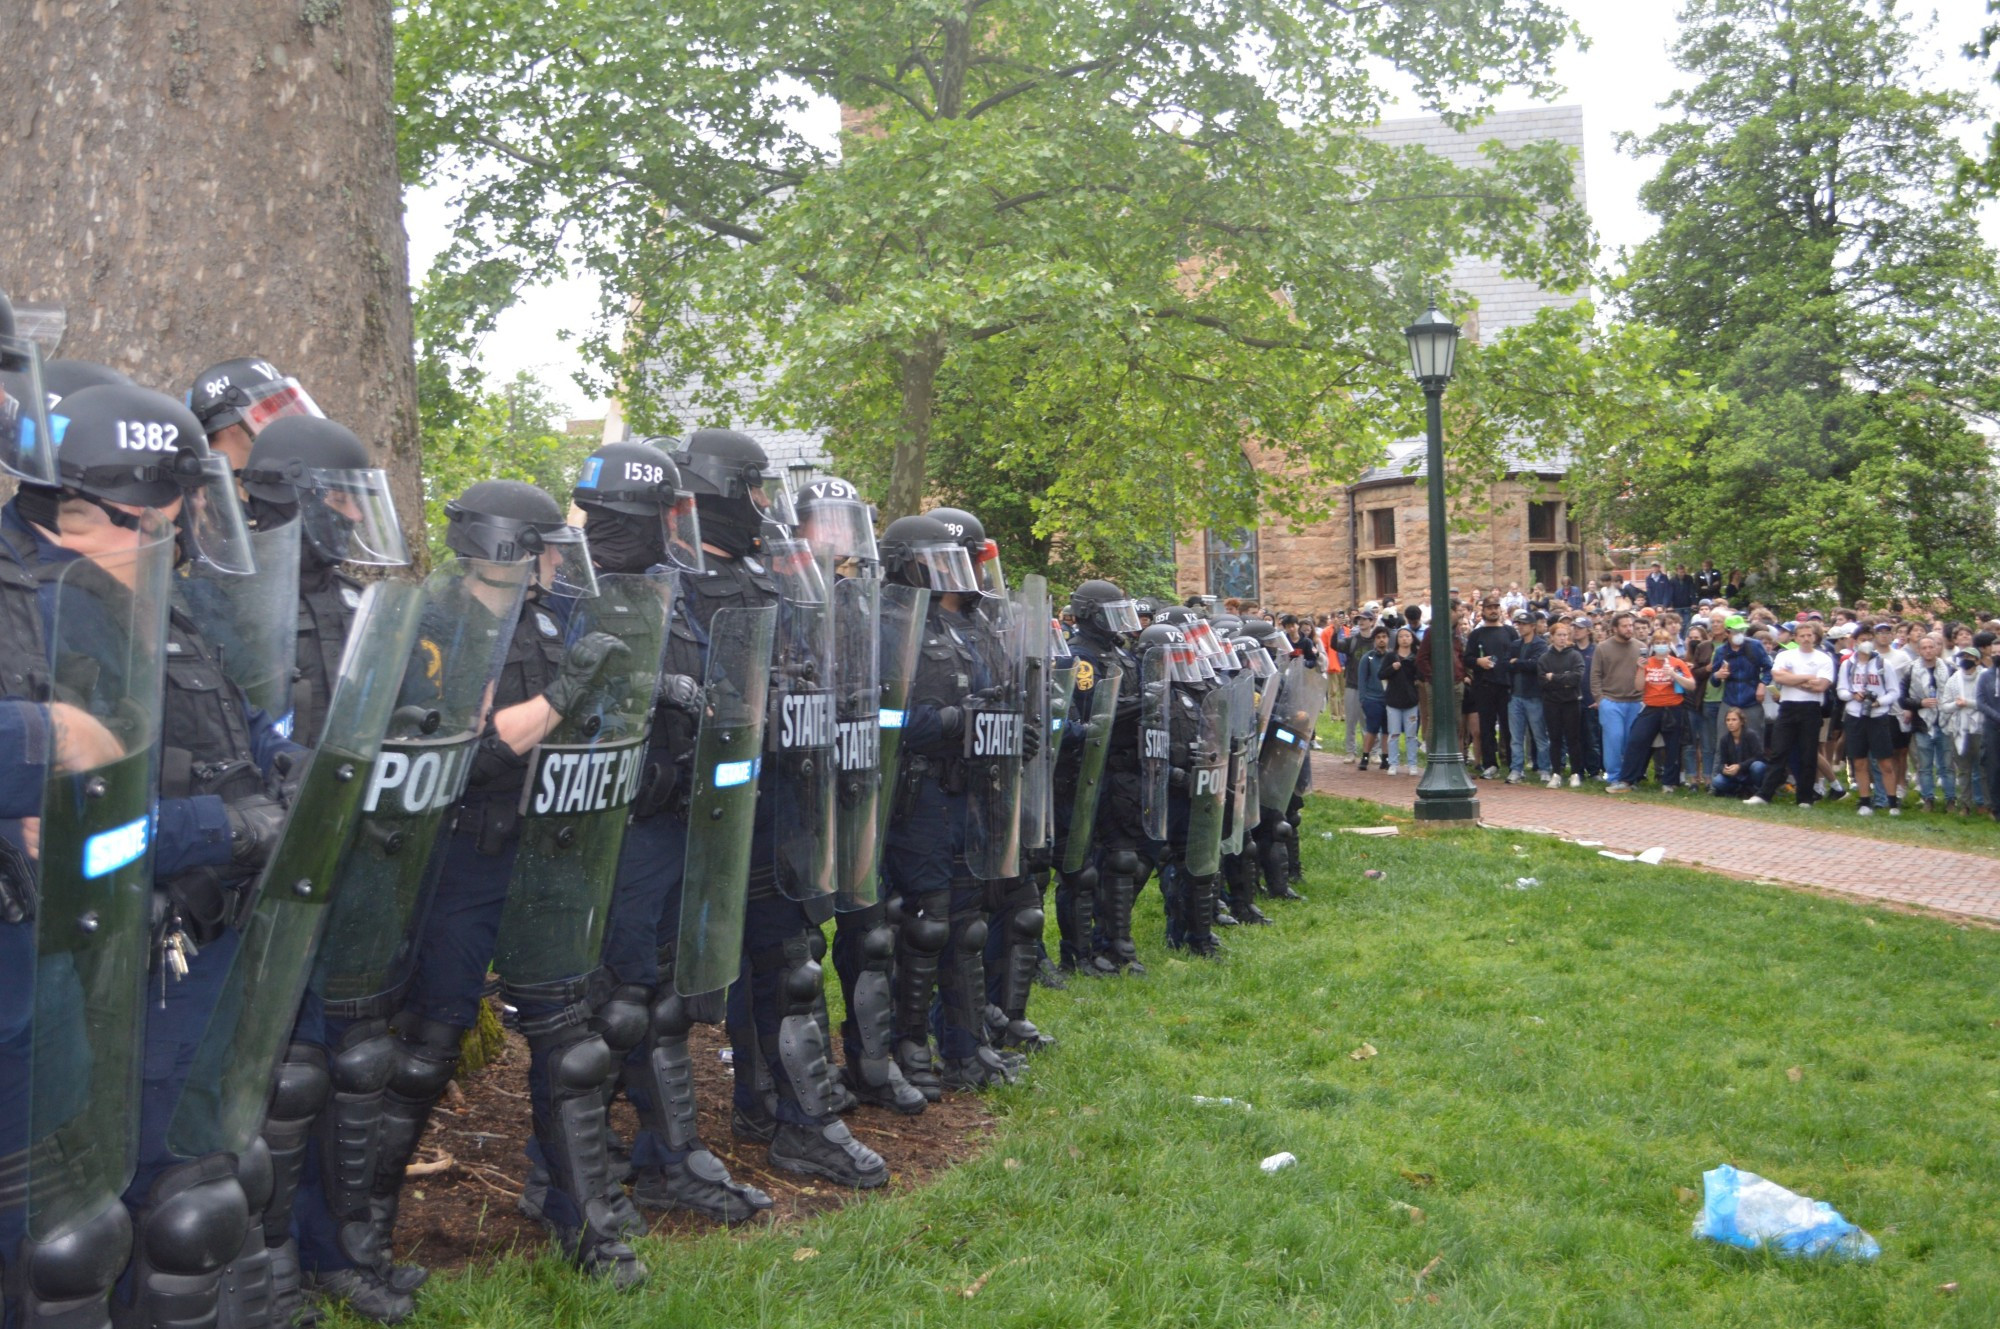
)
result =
(1375, 540)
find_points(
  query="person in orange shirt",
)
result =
(1665, 682)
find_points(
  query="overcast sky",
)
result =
(1620, 82)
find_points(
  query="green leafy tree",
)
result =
(1066, 258)
(473, 433)
(1819, 274)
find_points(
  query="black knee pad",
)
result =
(196, 1218)
(1122, 863)
(973, 939)
(669, 1014)
(363, 1061)
(579, 1061)
(926, 934)
(892, 909)
(302, 1084)
(83, 1262)
(624, 1017)
(426, 1056)
(803, 983)
(1028, 924)
(878, 944)
(254, 1174)
(816, 942)
(1284, 833)
(1083, 880)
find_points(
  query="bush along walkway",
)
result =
(1763, 849)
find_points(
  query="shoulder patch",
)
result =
(1086, 676)
(547, 624)
(433, 659)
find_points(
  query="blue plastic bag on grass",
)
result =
(1743, 1209)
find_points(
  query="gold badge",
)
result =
(1086, 677)
(433, 659)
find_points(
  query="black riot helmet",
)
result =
(636, 509)
(920, 551)
(735, 487)
(124, 446)
(27, 445)
(1102, 608)
(62, 377)
(1199, 631)
(318, 471)
(985, 554)
(504, 521)
(1148, 607)
(836, 521)
(1184, 662)
(1254, 655)
(251, 392)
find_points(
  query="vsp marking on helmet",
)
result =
(858, 745)
(418, 778)
(147, 436)
(995, 734)
(1156, 745)
(806, 720)
(597, 777)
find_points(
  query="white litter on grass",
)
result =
(1622, 858)
(1368, 830)
(1203, 1100)
(726, 1055)
(1526, 883)
(1278, 1162)
(1587, 844)
(1653, 856)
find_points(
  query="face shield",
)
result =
(948, 567)
(986, 562)
(838, 530)
(1059, 652)
(680, 525)
(349, 517)
(1202, 637)
(796, 571)
(1120, 616)
(211, 517)
(774, 501)
(1185, 665)
(1231, 658)
(563, 566)
(274, 401)
(27, 448)
(1257, 660)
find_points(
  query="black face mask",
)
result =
(625, 542)
(730, 524)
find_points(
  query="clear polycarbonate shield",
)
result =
(1120, 615)
(350, 517)
(273, 400)
(565, 567)
(1155, 738)
(995, 719)
(107, 636)
(212, 516)
(986, 564)
(799, 777)
(1031, 610)
(857, 750)
(221, 1106)
(1062, 701)
(774, 501)
(902, 617)
(838, 525)
(581, 781)
(1201, 635)
(253, 622)
(1208, 783)
(947, 567)
(1287, 739)
(1243, 732)
(1104, 690)
(385, 878)
(27, 447)
(722, 804)
(681, 525)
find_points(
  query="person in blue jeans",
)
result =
(1614, 681)
(1374, 698)
(1743, 667)
(1526, 719)
(1740, 758)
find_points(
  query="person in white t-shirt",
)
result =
(1872, 690)
(1803, 675)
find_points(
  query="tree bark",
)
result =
(196, 180)
(919, 368)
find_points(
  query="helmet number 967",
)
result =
(147, 436)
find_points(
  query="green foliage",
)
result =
(1556, 1068)
(1088, 248)
(476, 433)
(1821, 276)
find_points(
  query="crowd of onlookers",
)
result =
(1688, 675)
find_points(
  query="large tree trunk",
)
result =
(907, 482)
(197, 180)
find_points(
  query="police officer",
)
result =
(639, 519)
(237, 400)
(542, 680)
(1188, 888)
(1257, 642)
(777, 1043)
(1094, 903)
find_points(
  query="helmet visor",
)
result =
(1258, 659)
(1184, 664)
(986, 562)
(680, 528)
(948, 567)
(27, 448)
(796, 571)
(1058, 642)
(838, 529)
(1120, 615)
(565, 562)
(276, 400)
(1202, 637)
(349, 516)
(774, 501)
(211, 517)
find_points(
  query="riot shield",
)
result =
(857, 697)
(465, 625)
(253, 622)
(994, 719)
(1090, 769)
(107, 644)
(222, 1104)
(903, 610)
(1031, 611)
(1062, 695)
(1288, 737)
(722, 803)
(581, 779)
(1155, 741)
(800, 779)
(1242, 688)
(1208, 783)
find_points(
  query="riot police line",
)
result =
(266, 829)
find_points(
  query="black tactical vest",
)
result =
(1123, 754)
(326, 616)
(23, 650)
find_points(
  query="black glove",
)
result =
(254, 827)
(580, 667)
(1031, 740)
(682, 692)
(951, 720)
(1176, 778)
(289, 770)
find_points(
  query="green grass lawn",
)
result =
(1555, 1068)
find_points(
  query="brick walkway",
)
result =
(1941, 880)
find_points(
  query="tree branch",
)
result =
(716, 225)
(1028, 85)
(898, 90)
(1223, 327)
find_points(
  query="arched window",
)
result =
(1232, 564)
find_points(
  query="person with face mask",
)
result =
(1924, 681)
(1743, 667)
(1962, 727)
(1664, 679)
(1871, 692)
